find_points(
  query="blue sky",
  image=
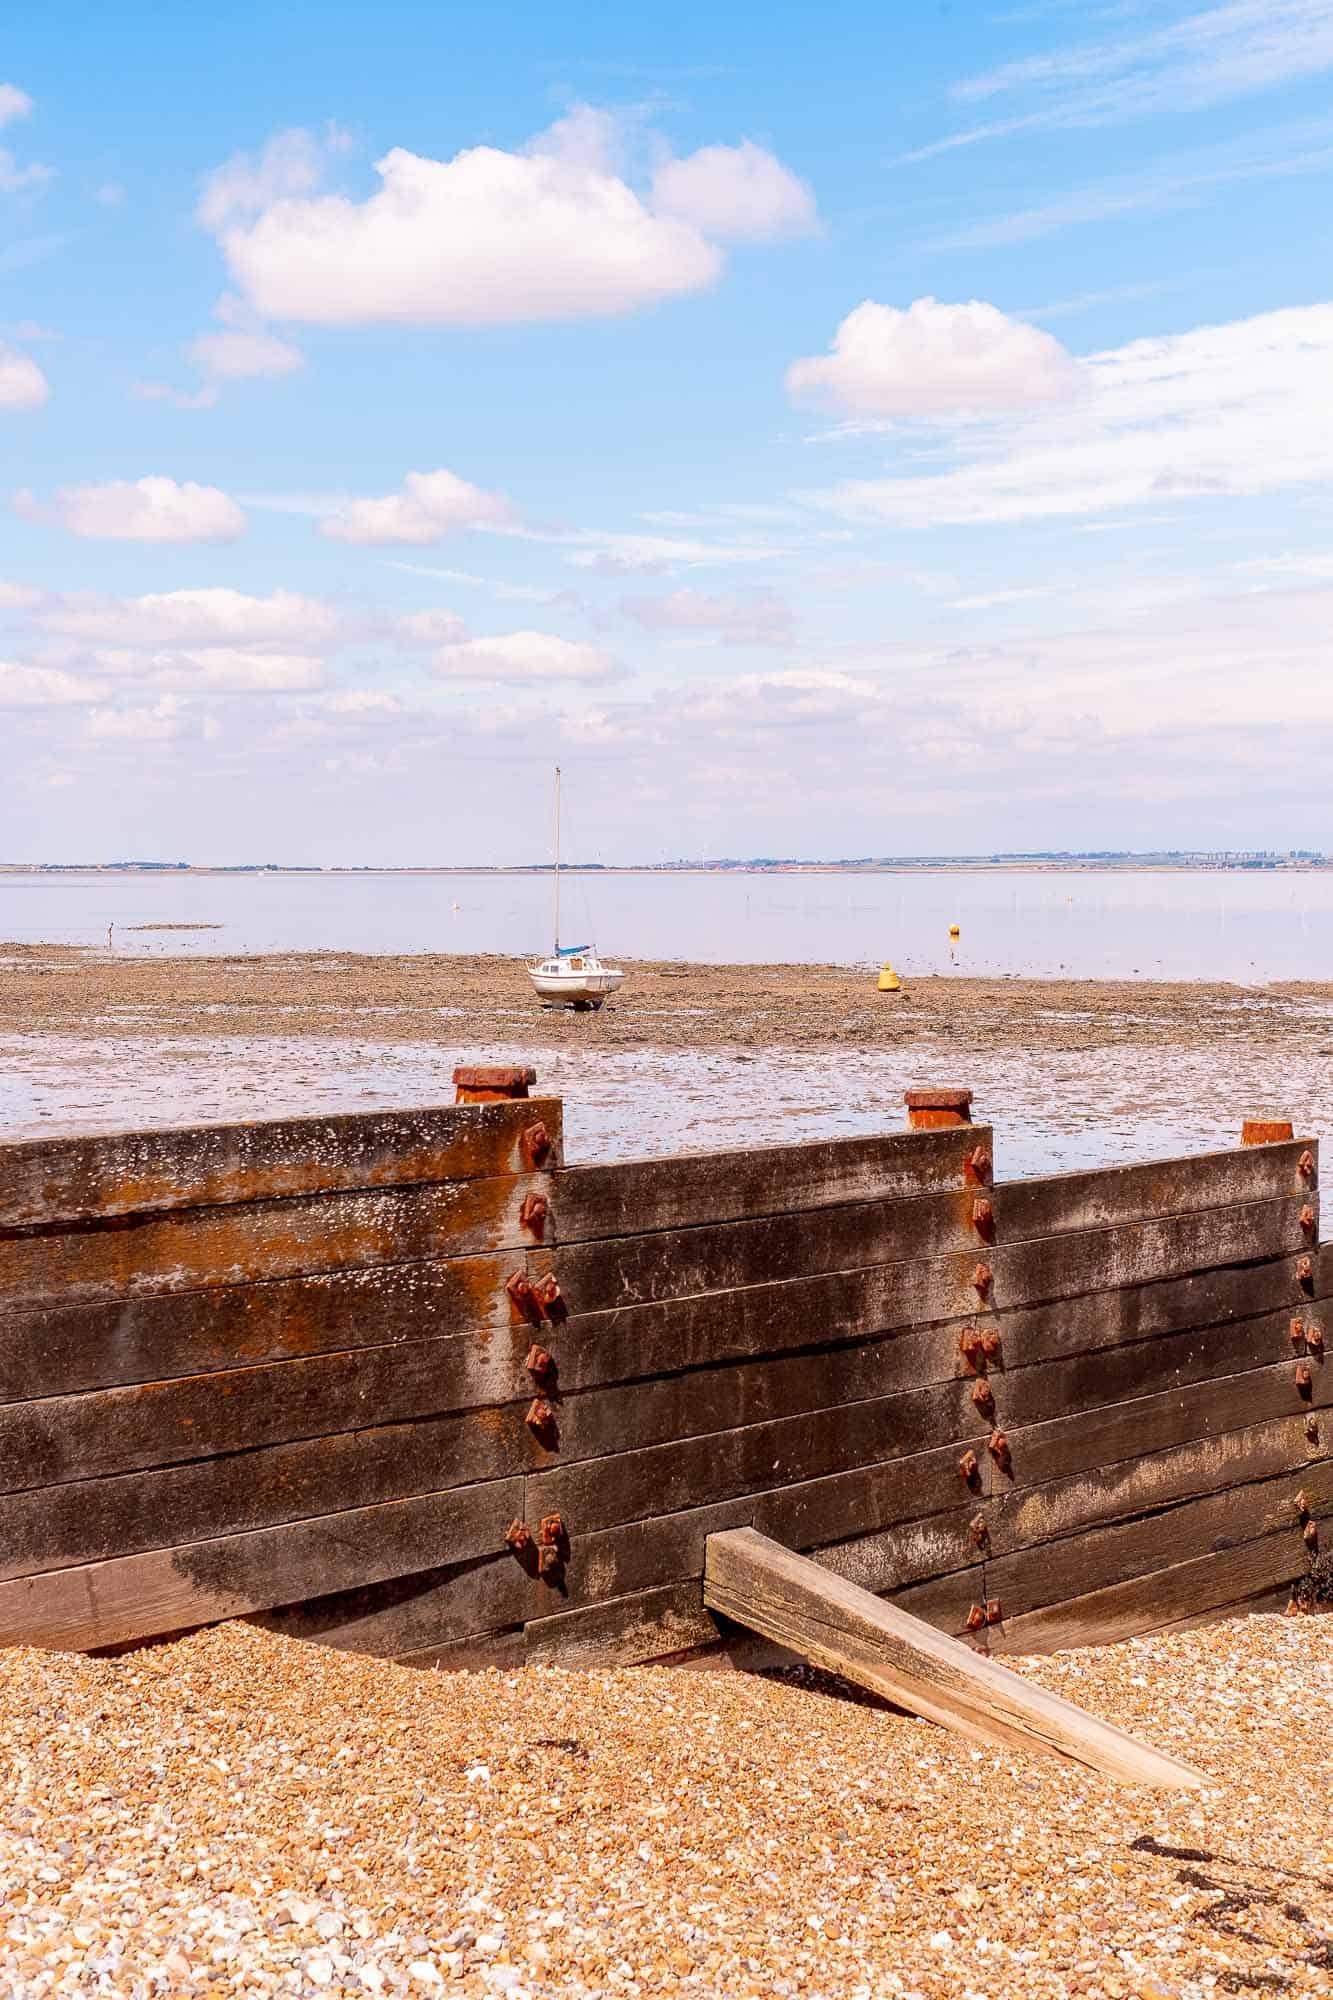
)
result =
(910, 433)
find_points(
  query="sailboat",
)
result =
(573, 976)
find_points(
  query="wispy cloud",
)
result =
(1209, 57)
(1179, 181)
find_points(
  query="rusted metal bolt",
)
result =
(971, 1347)
(523, 1298)
(1305, 1270)
(983, 1219)
(994, 1611)
(538, 1362)
(540, 1420)
(533, 1213)
(1296, 1333)
(983, 1396)
(990, 1344)
(546, 1291)
(1304, 1380)
(978, 1532)
(1314, 1339)
(982, 1279)
(536, 1142)
(1305, 1165)
(977, 1166)
(1302, 1504)
(968, 1468)
(1307, 1217)
(997, 1444)
(551, 1534)
(1310, 1534)
(550, 1563)
(519, 1537)
(976, 1618)
(1312, 1430)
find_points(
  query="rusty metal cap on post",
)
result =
(486, 1083)
(1265, 1128)
(930, 1107)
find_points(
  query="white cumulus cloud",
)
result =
(152, 509)
(735, 193)
(430, 628)
(552, 231)
(14, 103)
(430, 506)
(524, 658)
(1237, 409)
(25, 686)
(217, 669)
(933, 360)
(22, 383)
(193, 617)
(738, 618)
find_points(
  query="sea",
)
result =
(1252, 927)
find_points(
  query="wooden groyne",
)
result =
(404, 1382)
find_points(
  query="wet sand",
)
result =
(1073, 1072)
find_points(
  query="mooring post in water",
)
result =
(930, 1109)
(487, 1083)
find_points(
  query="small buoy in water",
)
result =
(954, 931)
(889, 981)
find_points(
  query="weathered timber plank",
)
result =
(664, 1479)
(502, 1650)
(924, 1284)
(60, 1350)
(196, 1249)
(624, 1631)
(628, 1198)
(1058, 1203)
(672, 1263)
(1198, 1405)
(636, 1342)
(795, 1602)
(170, 1589)
(55, 1527)
(890, 1558)
(1029, 1578)
(107, 1431)
(1212, 1583)
(920, 1494)
(61, 1180)
(421, 1611)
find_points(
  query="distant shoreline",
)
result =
(1074, 865)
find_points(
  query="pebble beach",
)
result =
(238, 1813)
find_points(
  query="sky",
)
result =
(903, 431)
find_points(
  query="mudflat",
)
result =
(472, 999)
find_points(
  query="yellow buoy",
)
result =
(954, 931)
(889, 981)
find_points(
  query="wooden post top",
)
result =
(486, 1083)
(936, 1105)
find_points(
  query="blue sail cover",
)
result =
(572, 950)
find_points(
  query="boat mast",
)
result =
(557, 861)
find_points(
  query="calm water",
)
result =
(1247, 927)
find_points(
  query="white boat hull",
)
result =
(587, 987)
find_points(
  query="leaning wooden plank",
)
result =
(62, 1180)
(248, 1242)
(793, 1601)
(171, 1589)
(627, 1198)
(59, 1350)
(1211, 1583)
(56, 1527)
(1058, 1203)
